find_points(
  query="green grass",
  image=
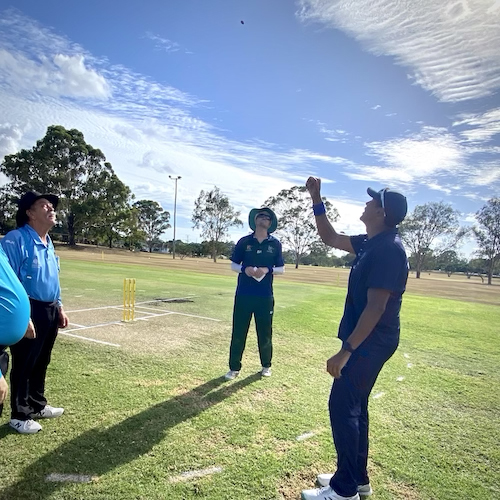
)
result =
(137, 420)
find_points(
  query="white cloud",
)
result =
(450, 46)
(62, 76)
(163, 43)
(377, 106)
(10, 138)
(484, 125)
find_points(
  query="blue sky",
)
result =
(386, 93)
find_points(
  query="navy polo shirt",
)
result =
(380, 263)
(249, 252)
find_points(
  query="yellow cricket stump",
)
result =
(128, 299)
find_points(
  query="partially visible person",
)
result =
(14, 317)
(256, 258)
(32, 256)
(369, 331)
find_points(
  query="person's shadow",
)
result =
(101, 450)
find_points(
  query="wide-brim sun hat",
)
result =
(26, 202)
(394, 204)
(253, 213)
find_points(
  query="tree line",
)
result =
(97, 207)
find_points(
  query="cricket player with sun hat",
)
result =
(256, 258)
(369, 332)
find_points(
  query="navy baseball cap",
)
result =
(393, 202)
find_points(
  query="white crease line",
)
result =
(76, 324)
(306, 435)
(95, 326)
(185, 476)
(378, 395)
(89, 339)
(154, 316)
(70, 478)
(120, 306)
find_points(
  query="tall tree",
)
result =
(214, 215)
(296, 224)
(430, 225)
(488, 234)
(153, 220)
(62, 163)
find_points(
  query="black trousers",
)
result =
(30, 359)
(262, 309)
(4, 366)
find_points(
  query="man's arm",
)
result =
(326, 231)
(13, 248)
(375, 307)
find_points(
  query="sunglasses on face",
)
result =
(263, 216)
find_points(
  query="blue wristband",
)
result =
(319, 209)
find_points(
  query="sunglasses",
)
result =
(263, 216)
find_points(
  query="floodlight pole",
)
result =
(175, 178)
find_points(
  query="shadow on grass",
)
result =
(98, 451)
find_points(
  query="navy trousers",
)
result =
(348, 407)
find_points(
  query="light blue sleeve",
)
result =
(13, 246)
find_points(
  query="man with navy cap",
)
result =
(256, 258)
(369, 332)
(32, 257)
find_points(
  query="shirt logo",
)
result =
(259, 251)
(270, 249)
(249, 248)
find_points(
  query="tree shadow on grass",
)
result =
(99, 451)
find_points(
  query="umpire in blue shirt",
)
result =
(32, 257)
(369, 331)
(256, 258)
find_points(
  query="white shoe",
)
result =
(364, 490)
(48, 412)
(325, 493)
(266, 372)
(231, 374)
(25, 426)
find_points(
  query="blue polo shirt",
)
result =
(14, 305)
(249, 252)
(37, 267)
(380, 263)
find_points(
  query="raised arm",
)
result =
(328, 235)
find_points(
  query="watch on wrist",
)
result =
(347, 347)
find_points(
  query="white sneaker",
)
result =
(48, 412)
(364, 490)
(325, 493)
(266, 372)
(25, 426)
(231, 374)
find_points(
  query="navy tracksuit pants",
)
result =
(348, 407)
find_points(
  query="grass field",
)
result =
(148, 415)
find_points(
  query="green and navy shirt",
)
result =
(249, 252)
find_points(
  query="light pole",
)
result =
(175, 178)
